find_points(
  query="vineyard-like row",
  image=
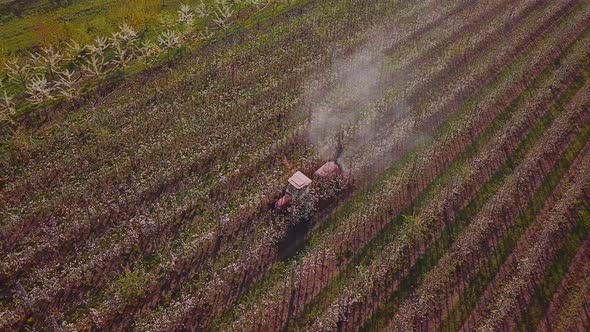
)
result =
(462, 129)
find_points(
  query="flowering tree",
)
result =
(222, 11)
(39, 89)
(147, 51)
(66, 84)
(202, 10)
(169, 39)
(47, 61)
(185, 15)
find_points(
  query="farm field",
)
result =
(145, 151)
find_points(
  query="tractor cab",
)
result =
(298, 185)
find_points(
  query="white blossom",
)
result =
(65, 84)
(126, 34)
(202, 10)
(39, 89)
(185, 15)
(222, 10)
(94, 66)
(169, 39)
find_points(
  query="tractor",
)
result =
(299, 184)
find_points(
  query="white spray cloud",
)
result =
(343, 120)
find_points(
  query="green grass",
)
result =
(81, 20)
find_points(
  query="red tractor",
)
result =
(299, 183)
